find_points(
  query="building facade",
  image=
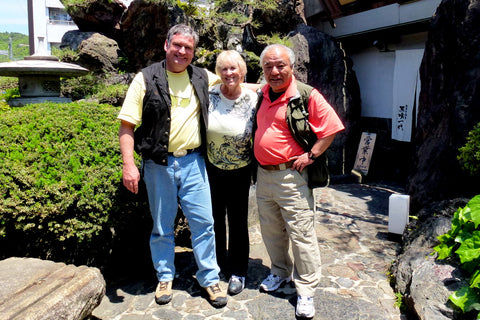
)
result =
(386, 45)
(48, 22)
(385, 41)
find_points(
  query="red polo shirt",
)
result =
(274, 144)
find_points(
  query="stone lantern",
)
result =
(39, 78)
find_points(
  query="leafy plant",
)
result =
(275, 38)
(470, 152)
(11, 93)
(399, 302)
(462, 243)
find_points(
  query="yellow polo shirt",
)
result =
(185, 109)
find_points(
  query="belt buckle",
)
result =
(282, 166)
(179, 153)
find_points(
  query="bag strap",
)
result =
(297, 117)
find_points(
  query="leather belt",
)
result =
(281, 166)
(182, 152)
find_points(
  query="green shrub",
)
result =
(112, 94)
(60, 184)
(91, 86)
(8, 83)
(470, 152)
(65, 55)
(80, 87)
(274, 39)
(8, 90)
(462, 244)
(11, 93)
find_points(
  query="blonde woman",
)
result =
(229, 150)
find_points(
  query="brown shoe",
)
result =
(216, 296)
(163, 294)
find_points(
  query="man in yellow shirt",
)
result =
(169, 100)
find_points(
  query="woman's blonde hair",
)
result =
(231, 56)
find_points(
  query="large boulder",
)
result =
(322, 63)
(73, 38)
(99, 54)
(425, 282)
(144, 30)
(41, 289)
(281, 20)
(449, 104)
(97, 15)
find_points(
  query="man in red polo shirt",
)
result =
(285, 202)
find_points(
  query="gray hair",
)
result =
(184, 30)
(291, 54)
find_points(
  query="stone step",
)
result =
(40, 289)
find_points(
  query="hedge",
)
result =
(61, 191)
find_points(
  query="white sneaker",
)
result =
(273, 282)
(305, 307)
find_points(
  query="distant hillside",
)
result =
(20, 47)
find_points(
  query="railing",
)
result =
(63, 22)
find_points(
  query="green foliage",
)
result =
(462, 243)
(234, 18)
(399, 302)
(275, 38)
(470, 152)
(61, 193)
(11, 93)
(241, 17)
(190, 7)
(65, 55)
(8, 83)
(8, 90)
(72, 6)
(112, 94)
(80, 87)
(54, 159)
(263, 5)
(20, 46)
(91, 86)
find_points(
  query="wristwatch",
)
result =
(311, 156)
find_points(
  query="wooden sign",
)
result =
(364, 153)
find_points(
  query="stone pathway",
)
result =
(352, 229)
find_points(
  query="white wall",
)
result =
(375, 74)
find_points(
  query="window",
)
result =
(59, 16)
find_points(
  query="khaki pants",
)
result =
(285, 207)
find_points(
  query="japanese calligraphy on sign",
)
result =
(364, 153)
(402, 115)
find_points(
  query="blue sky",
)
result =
(14, 16)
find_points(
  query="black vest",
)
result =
(152, 137)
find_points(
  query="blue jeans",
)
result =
(184, 181)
